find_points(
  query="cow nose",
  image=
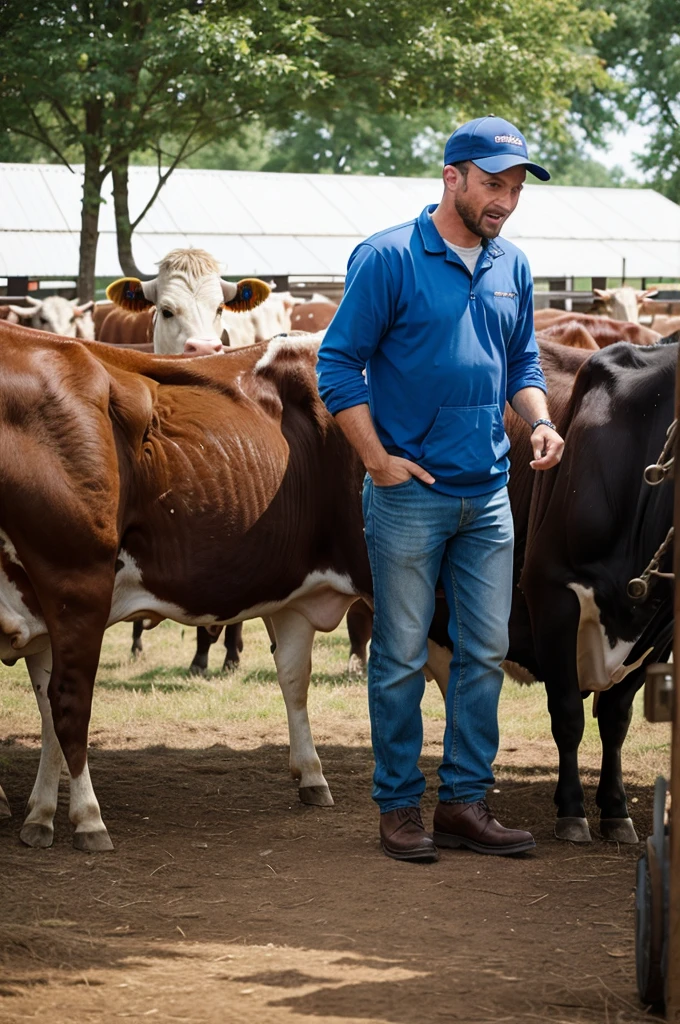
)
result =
(203, 346)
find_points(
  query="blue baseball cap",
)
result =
(493, 144)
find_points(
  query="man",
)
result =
(440, 317)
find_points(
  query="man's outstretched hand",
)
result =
(547, 446)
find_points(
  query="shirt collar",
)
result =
(434, 242)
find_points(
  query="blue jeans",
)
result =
(415, 536)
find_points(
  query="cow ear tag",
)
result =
(251, 292)
(127, 293)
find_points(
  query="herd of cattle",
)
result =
(215, 489)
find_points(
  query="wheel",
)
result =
(651, 908)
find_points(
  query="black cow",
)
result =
(596, 524)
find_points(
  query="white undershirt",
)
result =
(468, 256)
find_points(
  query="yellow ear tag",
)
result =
(127, 293)
(251, 292)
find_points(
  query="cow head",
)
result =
(620, 303)
(55, 314)
(189, 296)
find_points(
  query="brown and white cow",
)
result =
(271, 317)
(188, 297)
(207, 490)
(620, 303)
(313, 316)
(585, 330)
(58, 315)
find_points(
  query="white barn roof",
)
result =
(308, 224)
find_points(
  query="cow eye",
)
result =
(72, 320)
(43, 320)
(167, 313)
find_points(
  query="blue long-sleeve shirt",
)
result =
(442, 350)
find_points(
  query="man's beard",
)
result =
(468, 217)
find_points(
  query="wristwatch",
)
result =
(546, 423)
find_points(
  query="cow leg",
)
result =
(137, 630)
(567, 718)
(38, 828)
(614, 712)
(204, 641)
(293, 658)
(76, 646)
(359, 629)
(233, 641)
(554, 623)
(4, 805)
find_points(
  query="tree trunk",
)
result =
(123, 226)
(89, 221)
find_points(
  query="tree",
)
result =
(352, 142)
(573, 168)
(104, 79)
(98, 79)
(643, 54)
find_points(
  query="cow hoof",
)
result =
(230, 666)
(4, 808)
(92, 842)
(320, 796)
(356, 666)
(197, 670)
(40, 837)
(618, 830)
(573, 830)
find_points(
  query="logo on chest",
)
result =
(505, 295)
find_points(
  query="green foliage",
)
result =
(139, 67)
(202, 69)
(572, 168)
(362, 143)
(378, 82)
(643, 53)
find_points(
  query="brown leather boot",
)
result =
(403, 835)
(474, 826)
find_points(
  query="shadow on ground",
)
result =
(227, 900)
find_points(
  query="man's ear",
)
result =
(250, 292)
(130, 293)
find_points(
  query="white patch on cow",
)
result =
(83, 809)
(621, 303)
(83, 806)
(296, 342)
(21, 632)
(42, 802)
(57, 315)
(195, 305)
(293, 657)
(593, 673)
(625, 304)
(271, 317)
(8, 544)
(323, 598)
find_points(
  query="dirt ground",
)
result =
(227, 901)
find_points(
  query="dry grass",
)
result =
(155, 700)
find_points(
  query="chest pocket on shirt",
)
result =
(465, 443)
(504, 307)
